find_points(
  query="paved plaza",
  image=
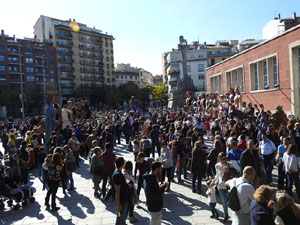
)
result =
(79, 206)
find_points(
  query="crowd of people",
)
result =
(167, 146)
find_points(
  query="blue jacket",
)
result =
(261, 214)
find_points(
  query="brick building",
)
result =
(268, 73)
(27, 63)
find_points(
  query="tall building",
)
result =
(85, 55)
(26, 62)
(278, 25)
(157, 79)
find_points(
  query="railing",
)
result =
(67, 76)
(64, 35)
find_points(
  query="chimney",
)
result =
(294, 16)
(2, 33)
(278, 16)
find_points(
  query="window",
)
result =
(1, 57)
(29, 60)
(256, 76)
(235, 78)
(28, 50)
(37, 78)
(1, 47)
(192, 57)
(51, 80)
(200, 56)
(2, 76)
(30, 78)
(201, 76)
(50, 53)
(121, 77)
(266, 78)
(213, 61)
(216, 84)
(29, 69)
(200, 67)
(2, 67)
(117, 76)
(188, 68)
(51, 71)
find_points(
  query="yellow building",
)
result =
(85, 55)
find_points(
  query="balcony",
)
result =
(13, 52)
(99, 77)
(67, 92)
(67, 84)
(65, 43)
(220, 53)
(60, 51)
(66, 68)
(173, 83)
(68, 60)
(90, 70)
(87, 77)
(98, 41)
(64, 35)
(67, 76)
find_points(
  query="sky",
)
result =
(145, 29)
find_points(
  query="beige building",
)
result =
(85, 55)
(146, 79)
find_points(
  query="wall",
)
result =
(270, 98)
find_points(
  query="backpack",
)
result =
(233, 200)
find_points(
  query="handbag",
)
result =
(71, 166)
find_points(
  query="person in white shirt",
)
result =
(268, 151)
(290, 162)
(65, 113)
(245, 193)
(211, 197)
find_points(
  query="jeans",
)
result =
(153, 149)
(268, 167)
(140, 184)
(121, 217)
(293, 178)
(53, 186)
(213, 210)
(155, 218)
(76, 156)
(167, 171)
(196, 176)
(281, 177)
(182, 167)
(106, 175)
(223, 196)
(127, 137)
(70, 178)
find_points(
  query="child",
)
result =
(211, 195)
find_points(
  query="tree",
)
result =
(159, 91)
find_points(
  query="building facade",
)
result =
(85, 55)
(267, 73)
(28, 63)
(199, 57)
(157, 79)
(278, 25)
(146, 79)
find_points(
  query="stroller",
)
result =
(12, 193)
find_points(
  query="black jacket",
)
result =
(154, 198)
(261, 214)
(248, 159)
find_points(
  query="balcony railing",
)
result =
(65, 43)
(98, 41)
(65, 60)
(65, 35)
(65, 52)
(67, 68)
(173, 83)
(67, 84)
(67, 76)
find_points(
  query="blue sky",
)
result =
(144, 29)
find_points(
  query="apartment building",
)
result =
(125, 73)
(28, 63)
(85, 55)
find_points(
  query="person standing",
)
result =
(50, 121)
(108, 159)
(245, 193)
(96, 170)
(154, 135)
(290, 162)
(267, 149)
(198, 167)
(281, 150)
(121, 191)
(154, 192)
(69, 159)
(166, 158)
(53, 178)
